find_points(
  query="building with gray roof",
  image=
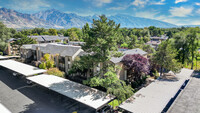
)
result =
(126, 52)
(155, 97)
(63, 55)
(188, 101)
(49, 39)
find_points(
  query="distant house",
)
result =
(49, 39)
(153, 44)
(155, 41)
(161, 38)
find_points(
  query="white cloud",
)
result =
(181, 11)
(99, 3)
(178, 1)
(140, 3)
(29, 5)
(120, 7)
(0, 6)
(197, 3)
(159, 3)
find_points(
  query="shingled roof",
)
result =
(63, 50)
(37, 38)
(42, 38)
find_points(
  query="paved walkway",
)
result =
(188, 100)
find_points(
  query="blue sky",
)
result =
(179, 12)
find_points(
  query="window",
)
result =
(69, 61)
(125, 74)
(98, 67)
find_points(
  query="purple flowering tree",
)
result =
(136, 65)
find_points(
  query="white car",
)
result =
(15, 74)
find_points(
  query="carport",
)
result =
(89, 96)
(3, 57)
(21, 68)
(156, 97)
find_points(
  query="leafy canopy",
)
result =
(165, 57)
(101, 38)
(137, 65)
(5, 34)
(113, 85)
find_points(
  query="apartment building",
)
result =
(64, 56)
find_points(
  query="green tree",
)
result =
(165, 57)
(197, 55)
(24, 40)
(169, 34)
(133, 41)
(73, 36)
(150, 50)
(53, 32)
(182, 46)
(101, 40)
(4, 36)
(19, 35)
(113, 85)
(38, 31)
(193, 42)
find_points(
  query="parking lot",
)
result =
(19, 97)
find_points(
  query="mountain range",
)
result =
(56, 19)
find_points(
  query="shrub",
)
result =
(1, 53)
(55, 71)
(47, 62)
(50, 64)
(124, 45)
(58, 40)
(156, 75)
(43, 66)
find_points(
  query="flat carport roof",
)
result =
(3, 57)
(4, 109)
(188, 101)
(81, 93)
(21, 68)
(154, 97)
